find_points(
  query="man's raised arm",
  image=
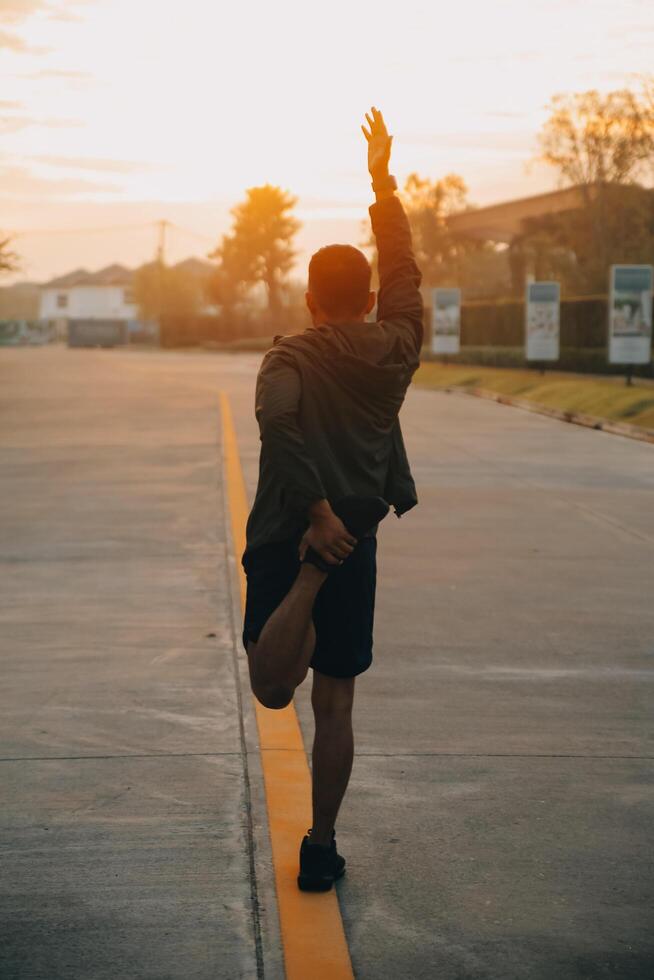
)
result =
(399, 304)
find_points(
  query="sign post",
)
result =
(446, 321)
(630, 315)
(543, 321)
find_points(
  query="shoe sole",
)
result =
(308, 884)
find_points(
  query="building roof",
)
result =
(508, 220)
(504, 222)
(120, 275)
(196, 267)
(111, 275)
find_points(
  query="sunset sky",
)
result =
(115, 113)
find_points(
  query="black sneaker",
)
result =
(360, 515)
(320, 865)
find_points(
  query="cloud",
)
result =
(97, 164)
(17, 11)
(75, 76)
(12, 42)
(499, 56)
(21, 182)
(507, 115)
(13, 124)
(67, 16)
(13, 11)
(509, 142)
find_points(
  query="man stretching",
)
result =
(332, 460)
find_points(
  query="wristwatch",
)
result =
(384, 184)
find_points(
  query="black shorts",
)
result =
(343, 612)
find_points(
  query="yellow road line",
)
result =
(314, 942)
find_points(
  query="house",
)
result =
(94, 308)
(81, 295)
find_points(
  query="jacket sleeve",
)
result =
(277, 406)
(399, 305)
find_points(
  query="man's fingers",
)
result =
(366, 133)
(380, 125)
(329, 557)
(370, 123)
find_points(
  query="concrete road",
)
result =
(498, 824)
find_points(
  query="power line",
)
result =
(79, 231)
(201, 236)
(194, 234)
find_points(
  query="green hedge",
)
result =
(502, 323)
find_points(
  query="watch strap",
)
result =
(384, 184)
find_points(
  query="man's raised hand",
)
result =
(379, 144)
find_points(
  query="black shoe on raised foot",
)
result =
(360, 515)
(320, 865)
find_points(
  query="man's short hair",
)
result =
(339, 280)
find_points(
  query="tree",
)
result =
(592, 138)
(259, 248)
(8, 258)
(173, 290)
(603, 144)
(579, 246)
(441, 255)
(231, 279)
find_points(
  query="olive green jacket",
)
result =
(328, 400)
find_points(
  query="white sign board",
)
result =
(630, 314)
(446, 321)
(543, 321)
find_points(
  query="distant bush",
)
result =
(204, 330)
(201, 330)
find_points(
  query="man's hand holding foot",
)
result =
(326, 541)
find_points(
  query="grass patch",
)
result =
(606, 398)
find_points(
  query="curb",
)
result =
(576, 418)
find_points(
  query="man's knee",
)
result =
(267, 692)
(276, 697)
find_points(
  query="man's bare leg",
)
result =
(333, 750)
(280, 659)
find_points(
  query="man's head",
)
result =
(339, 285)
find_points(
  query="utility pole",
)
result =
(161, 242)
(160, 262)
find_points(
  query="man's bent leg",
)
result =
(280, 658)
(333, 750)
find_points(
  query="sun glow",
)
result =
(121, 108)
